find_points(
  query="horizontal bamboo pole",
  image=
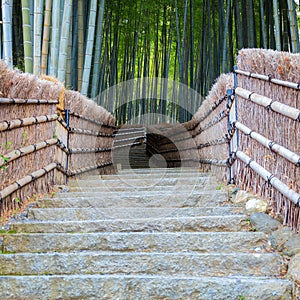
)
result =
(215, 162)
(130, 139)
(64, 148)
(213, 122)
(84, 170)
(7, 125)
(290, 112)
(25, 151)
(218, 141)
(127, 145)
(121, 133)
(26, 101)
(270, 178)
(282, 151)
(26, 180)
(92, 120)
(213, 107)
(62, 122)
(270, 79)
(90, 132)
(88, 150)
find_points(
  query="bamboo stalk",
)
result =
(37, 44)
(46, 35)
(282, 151)
(26, 101)
(27, 40)
(26, 180)
(7, 125)
(270, 79)
(267, 176)
(266, 102)
(26, 150)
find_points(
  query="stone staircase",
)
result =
(129, 148)
(142, 234)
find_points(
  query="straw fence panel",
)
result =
(269, 122)
(40, 147)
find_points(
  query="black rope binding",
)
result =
(249, 163)
(298, 118)
(249, 134)
(270, 77)
(270, 145)
(18, 184)
(269, 106)
(32, 177)
(249, 97)
(270, 178)
(298, 163)
(8, 124)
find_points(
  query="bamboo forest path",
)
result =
(149, 233)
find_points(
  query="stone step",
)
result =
(200, 242)
(142, 287)
(73, 200)
(149, 195)
(86, 187)
(151, 182)
(229, 223)
(152, 173)
(96, 213)
(137, 263)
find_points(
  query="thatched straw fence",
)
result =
(247, 129)
(47, 134)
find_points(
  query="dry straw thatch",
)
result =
(28, 138)
(213, 154)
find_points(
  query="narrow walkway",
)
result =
(147, 234)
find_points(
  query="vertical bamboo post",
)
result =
(67, 120)
(232, 117)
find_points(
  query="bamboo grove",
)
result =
(91, 45)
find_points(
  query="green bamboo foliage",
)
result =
(27, 40)
(46, 35)
(55, 37)
(294, 30)
(64, 41)
(91, 45)
(37, 45)
(7, 31)
(89, 48)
